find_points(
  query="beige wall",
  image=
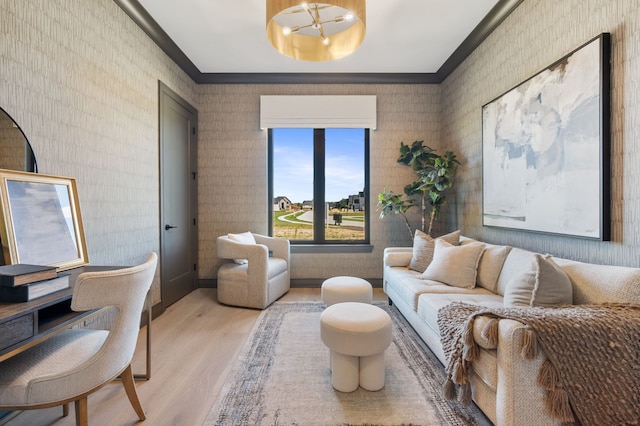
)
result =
(12, 144)
(535, 35)
(232, 165)
(81, 80)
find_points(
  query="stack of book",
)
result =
(22, 282)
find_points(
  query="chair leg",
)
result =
(65, 410)
(82, 414)
(130, 388)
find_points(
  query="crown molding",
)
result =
(143, 19)
(494, 18)
(318, 78)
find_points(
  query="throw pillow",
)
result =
(454, 265)
(490, 265)
(243, 238)
(423, 248)
(543, 284)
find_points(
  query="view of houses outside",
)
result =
(293, 166)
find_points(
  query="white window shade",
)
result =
(318, 112)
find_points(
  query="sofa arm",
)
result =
(519, 398)
(397, 256)
(229, 249)
(279, 246)
(257, 255)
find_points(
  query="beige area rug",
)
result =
(282, 378)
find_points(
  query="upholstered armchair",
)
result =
(257, 271)
(76, 362)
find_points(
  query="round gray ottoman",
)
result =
(346, 289)
(357, 335)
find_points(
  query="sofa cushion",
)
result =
(409, 285)
(490, 265)
(243, 238)
(543, 283)
(423, 246)
(430, 303)
(276, 266)
(486, 367)
(454, 265)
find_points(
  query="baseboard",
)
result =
(317, 282)
(156, 311)
(295, 283)
(208, 283)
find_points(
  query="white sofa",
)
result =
(503, 384)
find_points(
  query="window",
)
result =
(319, 184)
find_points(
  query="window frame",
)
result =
(319, 192)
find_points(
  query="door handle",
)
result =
(167, 227)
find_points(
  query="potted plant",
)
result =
(388, 203)
(435, 176)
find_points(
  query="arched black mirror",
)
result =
(15, 150)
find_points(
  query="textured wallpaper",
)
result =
(81, 80)
(535, 35)
(12, 144)
(232, 164)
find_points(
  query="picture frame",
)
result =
(41, 222)
(546, 149)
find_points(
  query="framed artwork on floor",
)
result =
(546, 149)
(41, 222)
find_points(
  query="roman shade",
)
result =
(318, 112)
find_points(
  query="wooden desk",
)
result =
(23, 325)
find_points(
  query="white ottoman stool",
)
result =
(357, 335)
(346, 289)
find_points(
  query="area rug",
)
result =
(282, 377)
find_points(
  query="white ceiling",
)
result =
(403, 36)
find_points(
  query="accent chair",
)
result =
(256, 272)
(77, 362)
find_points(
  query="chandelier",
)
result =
(316, 31)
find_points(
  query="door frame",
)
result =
(165, 91)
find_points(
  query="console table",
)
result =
(23, 325)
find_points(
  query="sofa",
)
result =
(503, 383)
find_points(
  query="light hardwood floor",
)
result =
(194, 344)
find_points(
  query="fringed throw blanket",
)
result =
(592, 371)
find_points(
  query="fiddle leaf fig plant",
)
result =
(389, 203)
(435, 176)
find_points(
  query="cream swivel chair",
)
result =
(76, 362)
(252, 278)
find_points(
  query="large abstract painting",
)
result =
(546, 149)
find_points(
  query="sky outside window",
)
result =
(293, 163)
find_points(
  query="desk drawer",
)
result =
(16, 330)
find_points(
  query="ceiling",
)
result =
(211, 38)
